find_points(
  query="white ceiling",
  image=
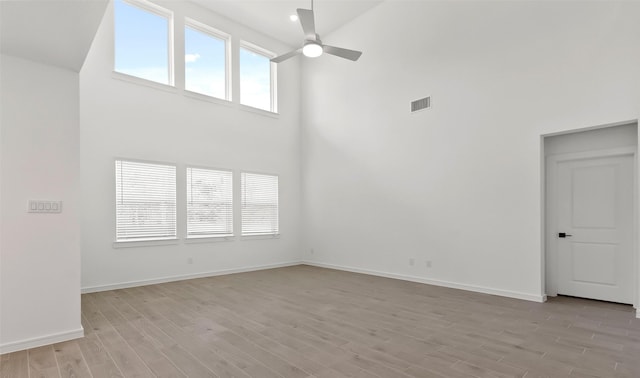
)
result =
(55, 32)
(271, 17)
(60, 32)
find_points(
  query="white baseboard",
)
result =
(453, 285)
(153, 281)
(41, 341)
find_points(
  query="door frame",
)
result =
(550, 263)
(545, 227)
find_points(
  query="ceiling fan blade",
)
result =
(286, 56)
(342, 53)
(308, 24)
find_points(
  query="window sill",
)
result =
(260, 237)
(207, 98)
(208, 239)
(144, 243)
(144, 82)
(262, 112)
(194, 95)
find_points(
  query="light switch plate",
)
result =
(40, 206)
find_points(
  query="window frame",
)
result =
(146, 241)
(158, 11)
(273, 75)
(268, 235)
(215, 33)
(230, 236)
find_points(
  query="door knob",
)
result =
(564, 235)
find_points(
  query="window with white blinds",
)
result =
(259, 204)
(145, 201)
(209, 203)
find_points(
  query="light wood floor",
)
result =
(304, 321)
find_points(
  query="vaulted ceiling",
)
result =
(60, 32)
(54, 32)
(271, 17)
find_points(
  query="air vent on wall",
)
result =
(421, 104)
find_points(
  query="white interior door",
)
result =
(593, 209)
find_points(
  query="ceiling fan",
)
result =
(313, 46)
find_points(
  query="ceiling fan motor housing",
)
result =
(312, 49)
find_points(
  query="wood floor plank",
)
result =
(306, 321)
(273, 362)
(110, 304)
(125, 358)
(42, 362)
(439, 363)
(153, 357)
(476, 361)
(70, 360)
(189, 365)
(99, 362)
(480, 371)
(14, 365)
(221, 359)
(377, 368)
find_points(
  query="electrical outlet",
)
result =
(311, 251)
(428, 263)
(190, 260)
(412, 261)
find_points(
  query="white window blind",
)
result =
(259, 204)
(145, 201)
(209, 203)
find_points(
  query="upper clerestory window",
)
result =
(143, 41)
(257, 78)
(206, 54)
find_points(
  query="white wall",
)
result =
(458, 185)
(589, 140)
(126, 120)
(39, 253)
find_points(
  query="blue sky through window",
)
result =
(204, 61)
(255, 80)
(142, 50)
(141, 43)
